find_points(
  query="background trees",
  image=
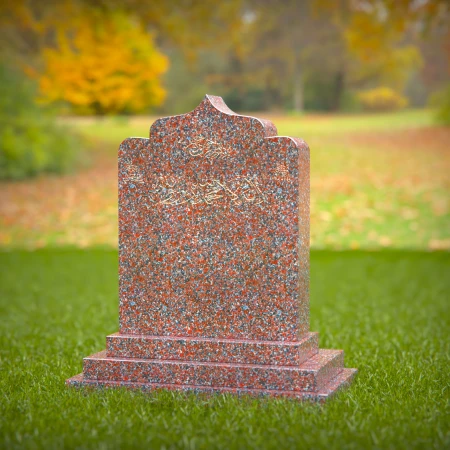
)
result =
(130, 56)
(318, 54)
(30, 140)
(103, 65)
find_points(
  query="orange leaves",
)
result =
(382, 99)
(374, 34)
(368, 190)
(103, 65)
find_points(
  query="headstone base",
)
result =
(339, 381)
(314, 373)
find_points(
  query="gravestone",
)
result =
(214, 263)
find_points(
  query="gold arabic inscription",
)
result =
(170, 190)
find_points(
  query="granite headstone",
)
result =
(214, 263)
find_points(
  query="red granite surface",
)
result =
(341, 380)
(212, 349)
(214, 262)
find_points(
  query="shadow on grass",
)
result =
(387, 310)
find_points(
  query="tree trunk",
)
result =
(298, 88)
(236, 76)
(273, 97)
(338, 91)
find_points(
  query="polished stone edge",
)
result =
(340, 381)
(212, 350)
(312, 375)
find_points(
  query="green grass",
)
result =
(387, 310)
(329, 124)
(116, 129)
(377, 180)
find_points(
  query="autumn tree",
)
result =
(341, 45)
(101, 56)
(291, 44)
(289, 51)
(97, 62)
(283, 45)
(103, 65)
(382, 37)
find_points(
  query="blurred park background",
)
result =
(365, 82)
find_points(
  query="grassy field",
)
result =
(377, 181)
(113, 129)
(386, 309)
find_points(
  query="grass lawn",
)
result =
(113, 129)
(386, 309)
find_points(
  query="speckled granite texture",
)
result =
(214, 263)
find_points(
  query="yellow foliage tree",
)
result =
(103, 65)
(82, 50)
(382, 99)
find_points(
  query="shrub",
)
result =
(382, 99)
(350, 102)
(30, 141)
(440, 100)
